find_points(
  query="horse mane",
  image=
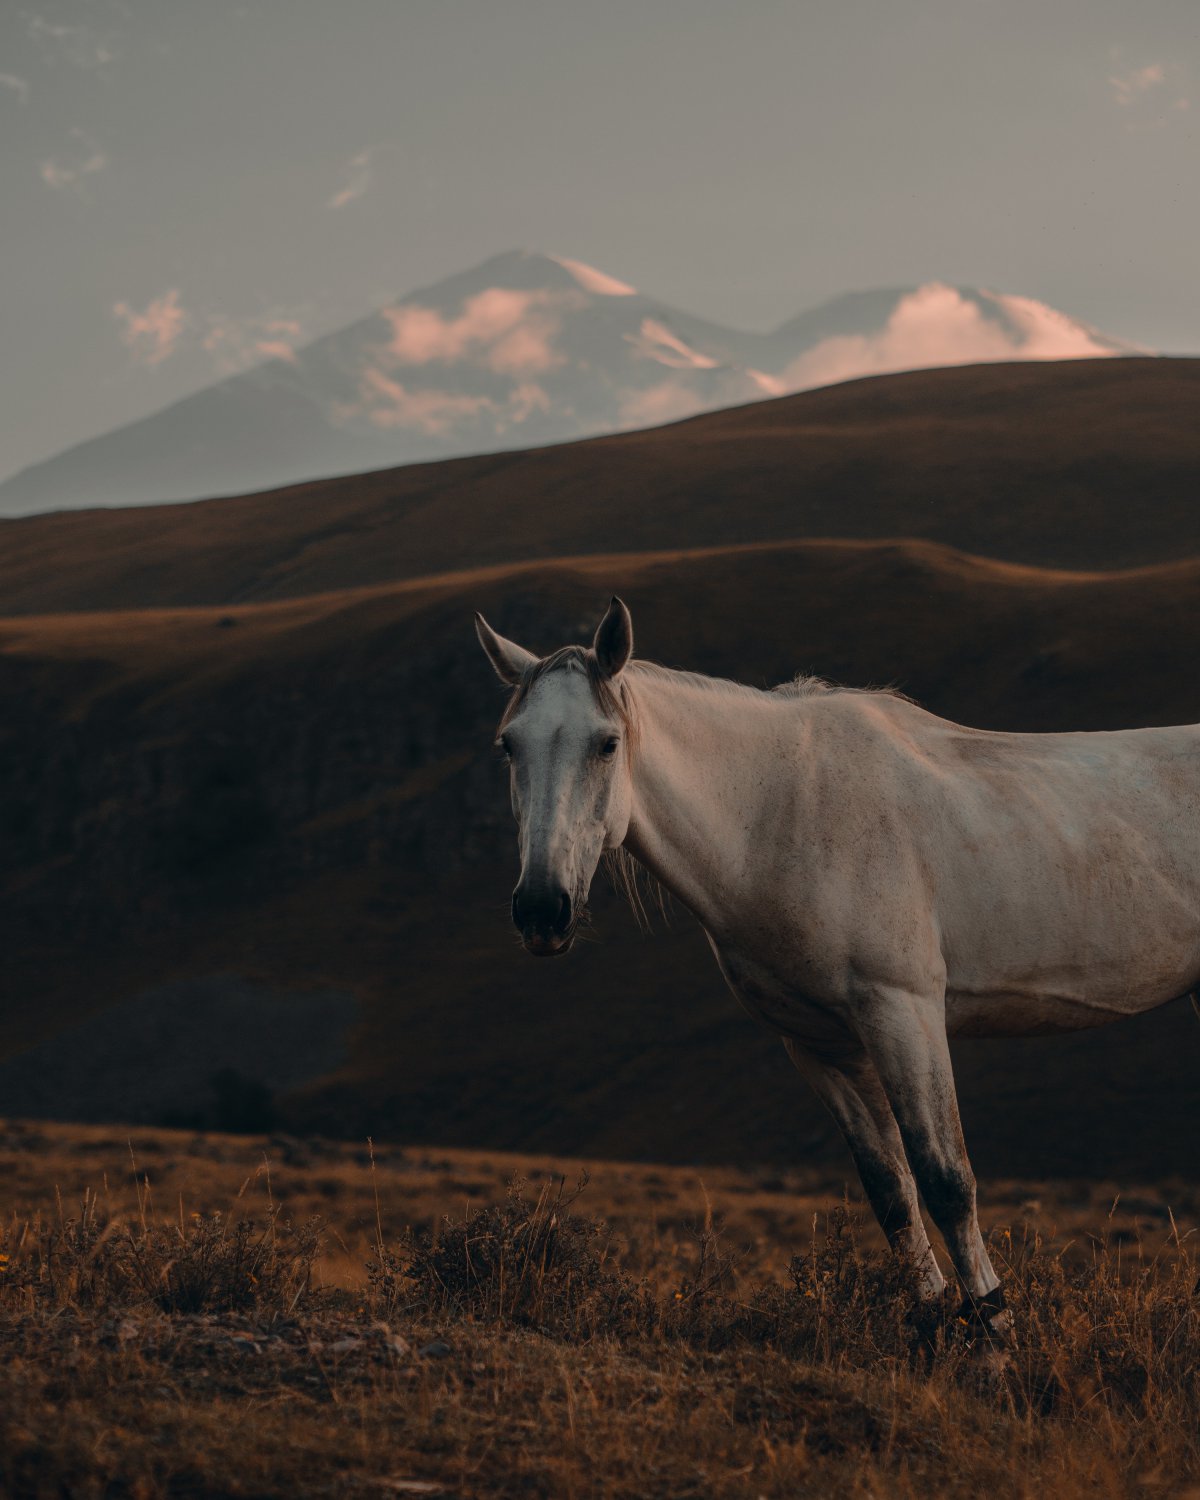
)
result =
(615, 700)
(803, 685)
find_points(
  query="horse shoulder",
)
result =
(846, 877)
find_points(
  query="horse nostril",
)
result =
(546, 909)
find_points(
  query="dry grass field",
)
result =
(200, 1315)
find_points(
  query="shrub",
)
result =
(202, 1263)
(532, 1262)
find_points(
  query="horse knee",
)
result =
(949, 1190)
(884, 1184)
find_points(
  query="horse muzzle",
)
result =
(545, 918)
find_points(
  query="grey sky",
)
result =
(176, 174)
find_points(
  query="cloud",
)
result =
(526, 398)
(667, 401)
(654, 340)
(1043, 332)
(235, 344)
(685, 394)
(770, 385)
(275, 349)
(499, 329)
(389, 404)
(19, 86)
(82, 161)
(77, 45)
(358, 180)
(937, 325)
(1132, 85)
(526, 347)
(151, 336)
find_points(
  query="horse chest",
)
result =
(778, 1005)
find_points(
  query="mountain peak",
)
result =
(526, 270)
(523, 350)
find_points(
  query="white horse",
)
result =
(871, 879)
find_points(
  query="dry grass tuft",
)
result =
(526, 1262)
(202, 1263)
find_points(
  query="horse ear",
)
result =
(510, 660)
(614, 638)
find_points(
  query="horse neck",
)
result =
(705, 765)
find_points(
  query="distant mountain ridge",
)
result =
(521, 351)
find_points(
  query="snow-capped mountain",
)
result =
(523, 350)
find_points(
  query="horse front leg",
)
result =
(905, 1038)
(850, 1089)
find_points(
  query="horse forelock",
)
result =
(610, 698)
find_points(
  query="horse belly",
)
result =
(1073, 933)
(1055, 988)
(1041, 1014)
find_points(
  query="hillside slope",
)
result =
(1092, 463)
(292, 809)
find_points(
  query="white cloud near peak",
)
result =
(390, 404)
(937, 325)
(668, 401)
(499, 329)
(237, 343)
(654, 340)
(275, 349)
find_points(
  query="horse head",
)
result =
(565, 736)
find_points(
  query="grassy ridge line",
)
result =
(167, 631)
(1052, 648)
(1082, 463)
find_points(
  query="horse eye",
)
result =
(609, 748)
(504, 745)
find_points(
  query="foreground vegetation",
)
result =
(432, 1332)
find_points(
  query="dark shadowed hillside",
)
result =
(1092, 464)
(286, 819)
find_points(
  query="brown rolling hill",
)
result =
(1090, 463)
(255, 857)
